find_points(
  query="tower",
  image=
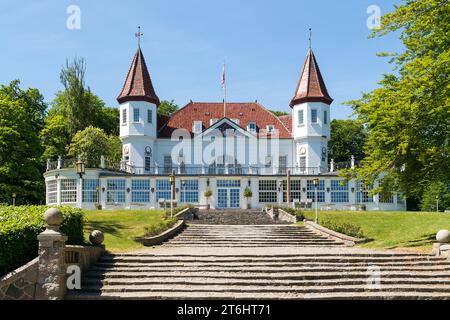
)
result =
(138, 115)
(311, 117)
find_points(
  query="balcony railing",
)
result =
(182, 169)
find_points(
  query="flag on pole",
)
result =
(223, 75)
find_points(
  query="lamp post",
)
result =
(316, 184)
(172, 187)
(14, 198)
(437, 203)
(80, 168)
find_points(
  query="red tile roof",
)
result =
(138, 85)
(311, 87)
(205, 111)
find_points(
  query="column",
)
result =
(51, 272)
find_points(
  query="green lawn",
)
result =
(121, 226)
(390, 229)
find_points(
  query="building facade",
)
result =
(222, 147)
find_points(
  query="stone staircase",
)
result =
(256, 274)
(200, 235)
(263, 262)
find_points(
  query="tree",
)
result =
(408, 115)
(167, 107)
(347, 139)
(54, 137)
(279, 113)
(108, 120)
(22, 115)
(437, 194)
(91, 143)
(77, 104)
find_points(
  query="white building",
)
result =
(224, 147)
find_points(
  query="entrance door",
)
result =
(234, 198)
(222, 198)
(228, 198)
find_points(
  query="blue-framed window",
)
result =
(115, 191)
(300, 117)
(149, 116)
(313, 116)
(90, 190)
(163, 189)
(136, 114)
(189, 191)
(228, 183)
(140, 191)
(310, 192)
(339, 191)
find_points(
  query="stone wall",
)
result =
(20, 284)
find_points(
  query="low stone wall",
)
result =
(280, 214)
(20, 284)
(350, 241)
(83, 256)
(160, 238)
(187, 214)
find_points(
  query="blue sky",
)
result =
(185, 43)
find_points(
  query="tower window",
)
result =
(149, 116)
(302, 163)
(314, 116)
(136, 114)
(300, 117)
(124, 116)
(197, 127)
(325, 117)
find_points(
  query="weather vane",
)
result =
(310, 36)
(139, 35)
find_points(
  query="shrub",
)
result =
(156, 229)
(345, 228)
(19, 227)
(295, 212)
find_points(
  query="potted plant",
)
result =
(208, 193)
(248, 194)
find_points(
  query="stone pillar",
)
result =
(102, 162)
(51, 274)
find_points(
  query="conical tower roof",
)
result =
(138, 85)
(311, 87)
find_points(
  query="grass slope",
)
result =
(391, 229)
(121, 226)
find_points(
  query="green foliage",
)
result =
(248, 193)
(22, 115)
(91, 143)
(159, 227)
(108, 120)
(54, 137)
(344, 228)
(19, 227)
(295, 212)
(279, 113)
(435, 192)
(208, 193)
(167, 107)
(407, 116)
(347, 139)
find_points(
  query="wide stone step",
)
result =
(259, 282)
(443, 288)
(400, 265)
(263, 274)
(155, 295)
(260, 268)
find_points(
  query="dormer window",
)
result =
(270, 128)
(197, 127)
(251, 127)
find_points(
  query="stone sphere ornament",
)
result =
(53, 217)
(443, 236)
(96, 237)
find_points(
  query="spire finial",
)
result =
(310, 36)
(139, 35)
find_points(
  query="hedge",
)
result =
(19, 227)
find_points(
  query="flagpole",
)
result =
(224, 92)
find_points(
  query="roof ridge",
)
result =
(267, 110)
